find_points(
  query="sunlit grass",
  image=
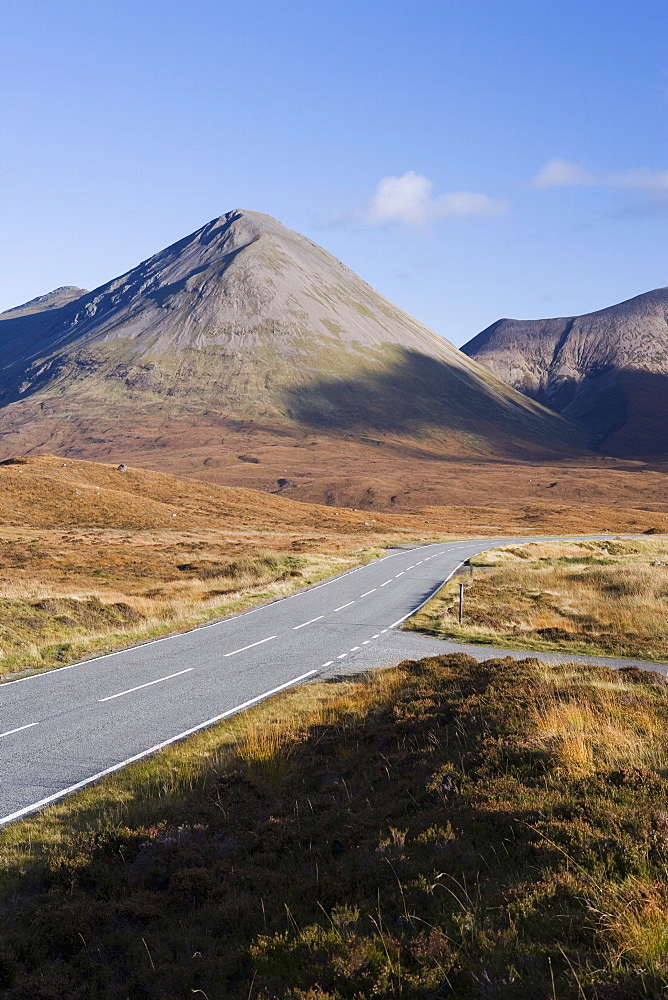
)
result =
(605, 597)
(33, 637)
(417, 832)
(603, 732)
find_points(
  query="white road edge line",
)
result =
(494, 543)
(309, 622)
(442, 584)
(147, 753)
(120, 694)
(131, 649)
(178, 635)
(241, 650)
(20, 729)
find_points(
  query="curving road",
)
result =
(63, 729)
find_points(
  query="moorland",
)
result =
(93, 558)
(233, 419)
(597, 597)
(443, 828)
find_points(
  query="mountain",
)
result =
(52, 300)
(606, 369)
(244, 331)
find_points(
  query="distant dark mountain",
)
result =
(246, 325)
(607, 369)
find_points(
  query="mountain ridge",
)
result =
(607, 369)
(51, 300)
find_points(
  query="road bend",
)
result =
(63, 729)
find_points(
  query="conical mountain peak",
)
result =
(246, 320)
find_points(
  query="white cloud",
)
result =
(409, 200)
(642, 180)
(562, 173)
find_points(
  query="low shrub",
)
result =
(447, 828)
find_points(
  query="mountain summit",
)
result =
(246, 326)
(606, 369)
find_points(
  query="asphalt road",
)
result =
(63, 729)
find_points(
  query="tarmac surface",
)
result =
(66, 728)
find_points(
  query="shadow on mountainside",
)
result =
(625, 411)
(644, 432)
(419, 394)
(25, 338)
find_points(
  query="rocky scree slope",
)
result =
(606, 369)
(245, 321)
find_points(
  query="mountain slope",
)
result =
(606, 369)
(247, 325)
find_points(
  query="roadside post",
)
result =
(461, 602)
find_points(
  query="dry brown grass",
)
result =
(47, 624)
(93, 558)
(451, 495)
(419, 832)
(635, 921)
(608, 597)
(604, 733)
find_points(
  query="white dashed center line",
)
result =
(368, 592)
(354, 648)
(309, 622)
(268, 639)
(120, 694)
(343, 606)
(19, 729)
(386, 583)
(366, 642)
(341, 656)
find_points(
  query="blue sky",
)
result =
(470, 159)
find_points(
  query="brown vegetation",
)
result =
(93, 558)
(445, 828)
(608, 596)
